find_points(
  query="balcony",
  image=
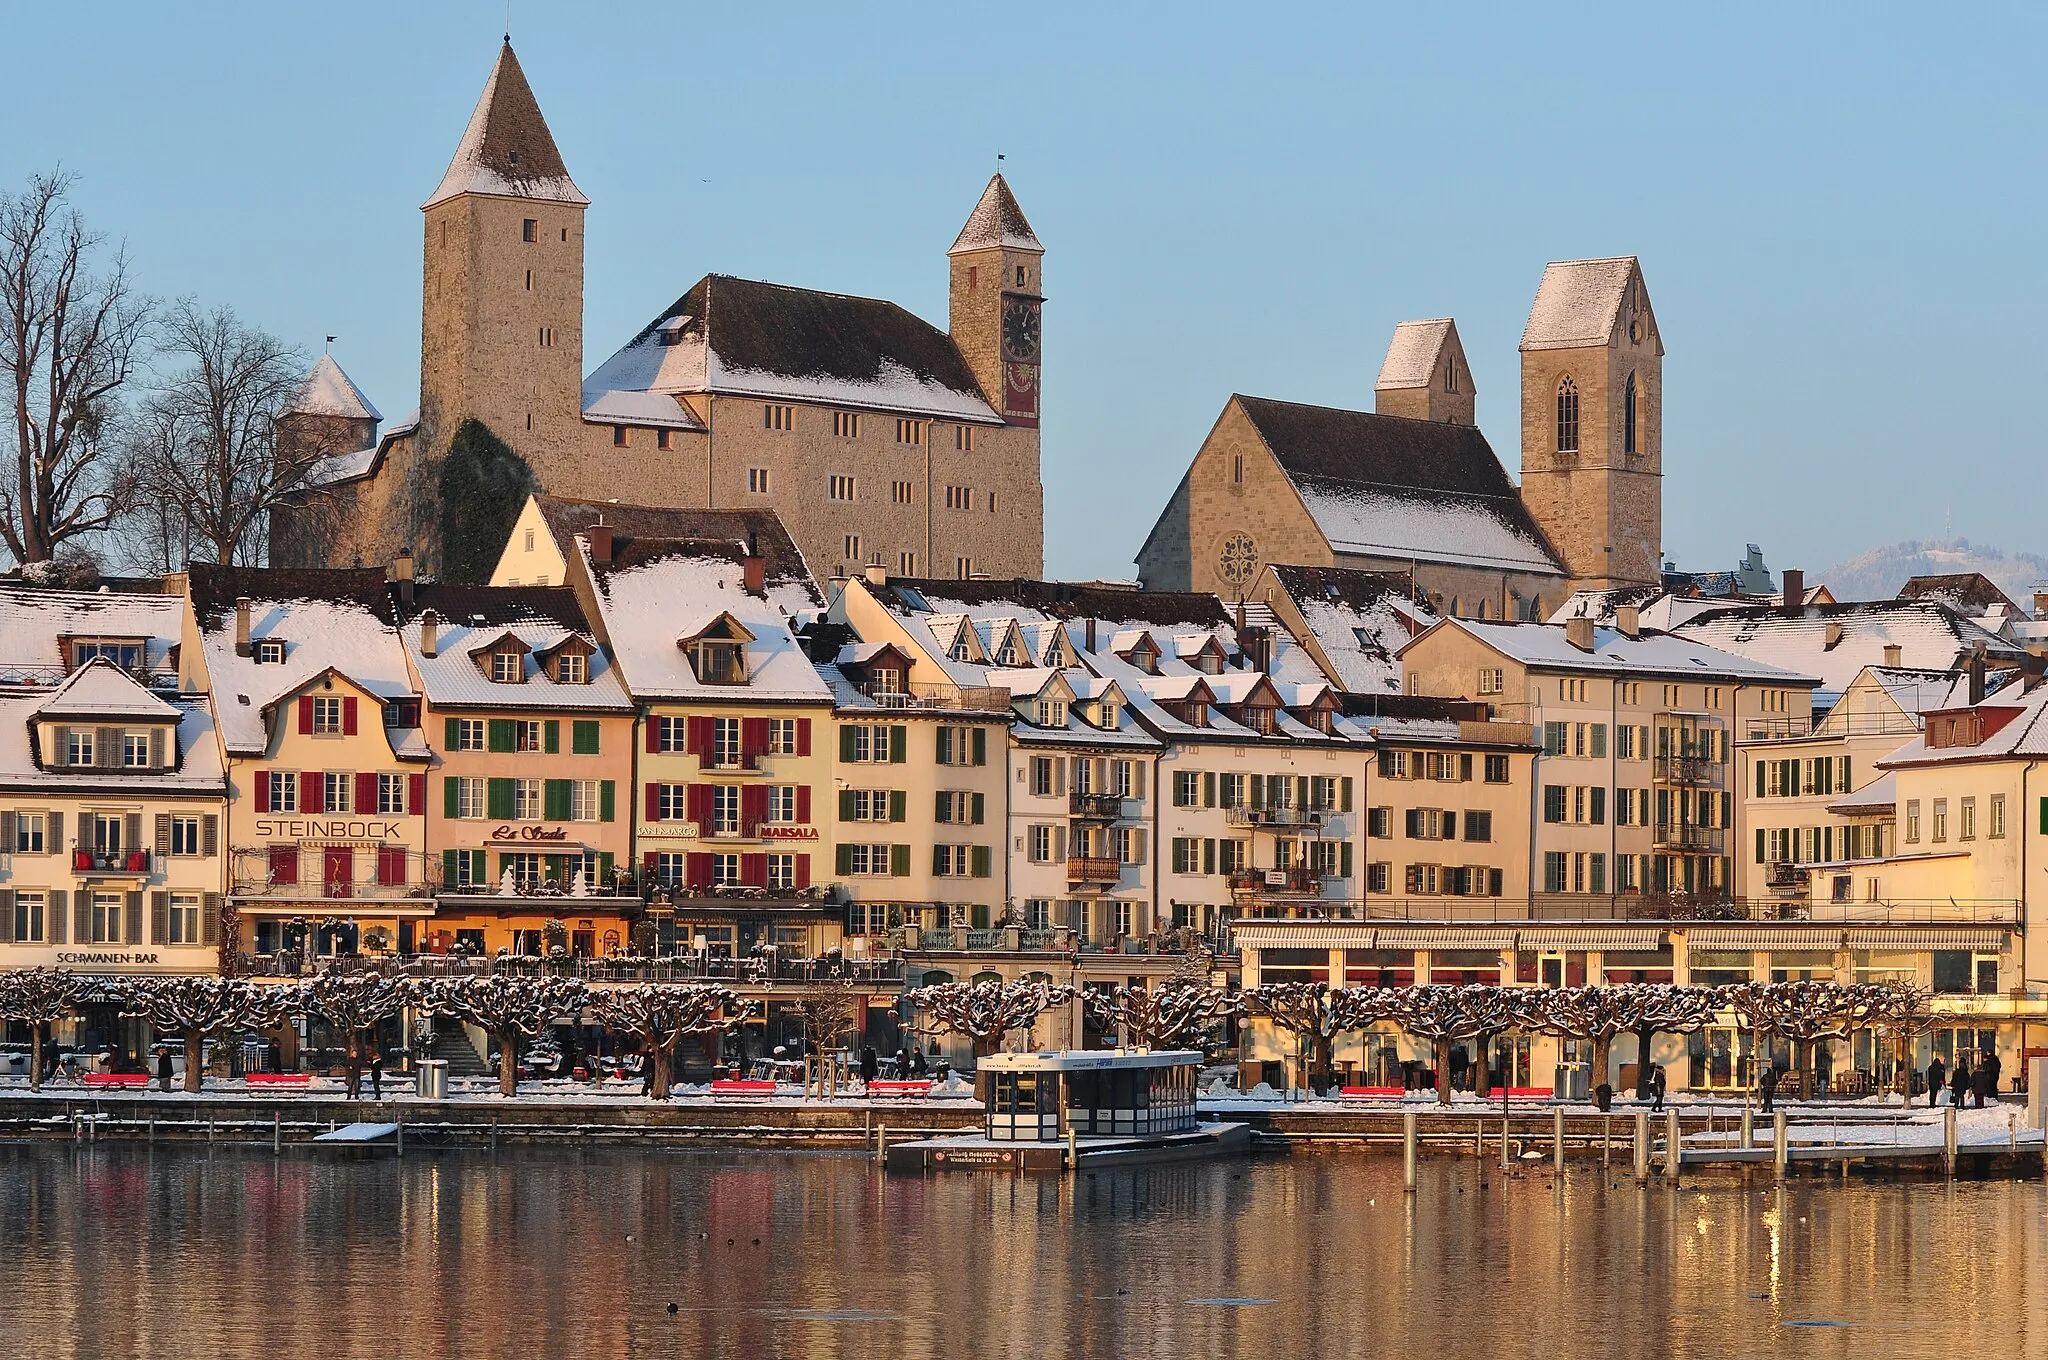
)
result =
(1277, 817)
(1094, 870)
(103, 863)
(1697, 772)
(1096, 807)
(1704, 840)
(944, 698)
(1277, 883)
(1784, 875)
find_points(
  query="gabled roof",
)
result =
(100, 689)
(1836, 641)
(328, 391)
(2024, 735)
(1579, 303)
(1359, 620)
(34, 622)
(1054, 599)
(1544, 646)
(1389, 486)
(738, 337)
(540, 619)
(197, 769)
(759, 530)
(996, 221)
(507, 150)
(1413, 353)
(1969, 592)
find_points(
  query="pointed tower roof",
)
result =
(996, 222)
(507, 149)
(1413, 353)
(328, 391)
(1580, 303)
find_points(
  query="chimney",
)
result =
(1090, 634)
(600, 539)
(1977, 675)
(1894, 655)
(1629, 620)
(754, 573)
(430, 633)
(1833, 635)
(242, 626)
(1795, 586)
(401, 575)
(874, 575)
(2041, 604)
(1579, 632)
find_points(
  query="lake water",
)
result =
(116, 1250)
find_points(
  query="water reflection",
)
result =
(117, 1251)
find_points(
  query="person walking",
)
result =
(1657, 1087)
(1937, 1077)
(163, 1068)
(1768, 1085)
(917, 1067)
(377, 1072)
(870, 1065)
(1991, 1069)
(1959, 1081)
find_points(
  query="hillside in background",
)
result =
(1878, 574)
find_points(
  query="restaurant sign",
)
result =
(789, 833)
(327, 829)
(540, 834)
(99, 958)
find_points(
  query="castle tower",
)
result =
(1425, 376)
(328, 415)
(1592, 421)
(996, 296)
(501, 335)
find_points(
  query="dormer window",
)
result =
(507, 668)
(1008, 655)
(718, 662)
(958, 651)
(1259, 720)
(270, 652)
(1052, 713)
(135, 751)
(1317, 718)
(1195, 713)
(572, 668)
(123, 652)
(1111, 716)
(886, 680)
(78, 747)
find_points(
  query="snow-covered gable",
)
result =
(100, 689)
(1413, 353)
(1580, 302)
(507, 150)
(452, 677)
(2022, 734)
(328, 391)
(1835, 642)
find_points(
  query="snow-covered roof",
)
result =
(1544, 646)
(1578, 302)
(328, 391)
(1879, 795)
(34, 623)
(996, 221)
(638, 408)
(541, 617)
(338, 468)
(1401, 523)
(1835, 642)
(739, 337)
(507, 150)
(198, 769)
(1413, 353)
(2024, 736)
(101, 689)
(655, 592)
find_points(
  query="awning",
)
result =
(345, 907)
(1309, 935)
(1487, 936)
(1630, 938)
(1763, 937)
(1986, 938)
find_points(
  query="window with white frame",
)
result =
(326, 715)
(782, 803)
(105, 918)
(782, 736)
(469, 734)
(469, 796)
(781, 872)
(184, 918)
(390, 795)
(526, 800)
(31, 834)
(185, 835)
(337, 791)
(135, 750)
(30, 922)
(725, 809)
(284, 790)
(867, 860)
(78, 747)
(583, 796)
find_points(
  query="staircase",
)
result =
(452, 1046)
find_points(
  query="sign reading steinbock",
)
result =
(327, 829)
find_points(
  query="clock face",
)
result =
(1237, 560)
(1020, 330)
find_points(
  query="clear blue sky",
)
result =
(1233, 198)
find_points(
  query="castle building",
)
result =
(1413, 489)
(879, 438)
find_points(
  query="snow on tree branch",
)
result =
(983, 1011)
(1166, 1017)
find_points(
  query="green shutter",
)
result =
(899, 861)
(981, 746)
(500, 735)
(899, 741)
(551, 736)
(551, 867)
(1344, 794)
(554, 800)
(449, 868)
(604, 868)
(981, 860)
(1759, 779)
(1759, 845)
(1208, 788)
(842, 860)
(1842, 776)
(498, 797)
(478, 870)
(2044, 816)
(451, 797)
(945, 746)
(942, 811)
(1344, 859)
(976, 804)
(846, 810)
(453, 729)
(1208, 854)
(607, 800)
(847, 750)
(939, 853)
(1258, 783)
(899, 804)
(583, 740)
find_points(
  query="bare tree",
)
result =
(1448, 1015)
(354, 1005)
(38, 997)
(983, 1012)
(1160, 1017)
(1316, 1014)
(660, 1016)
(201, 1008)
(827, 1007)
(1804, 1013)
(509, 1009)
(1908, 1014)
(69, 341)
(1600, 1015)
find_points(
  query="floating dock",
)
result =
(976, 1152)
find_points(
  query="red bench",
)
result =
(1522, 1093)
(289, 1081)
(1372, 1092)
(906, 1089)
(733, 1087)
(129, 1080)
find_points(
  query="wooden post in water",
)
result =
(1557, 1137)
(1948, 1140)
(401, 1133)
(1408, 1151)
(1781, 1143)
(1606, 1141)
(1748, 1127)
(1642, 1147)
(1073, 1150)
(1479, 1138)
(1674, 1145)
(276, 1132)
(1505, 1154)
(882, 1145)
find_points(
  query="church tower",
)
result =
(1593, 421)
(1425, 376)
(501, 336)
(996, 295)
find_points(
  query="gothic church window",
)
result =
(1567, 416)
(1628, 416)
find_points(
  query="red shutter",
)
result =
(284, 864)
(753, 740)
(803, 736)
(701, 740)
(348, 715)
(754, 870)
(803, 867)
(312, 791)
(653, 734)
(416, 794)
(753, 809)
(803, 800)
(651, 860)
(654, 802)
(306, 715)
(263, 790)
(697, 871)
(366, 792)
(697, 803)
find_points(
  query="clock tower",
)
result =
(996, 297)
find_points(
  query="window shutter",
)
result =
(131, 839)
(81, 919)
(945, 746)
(899, 741)
(500, 736)
(159, 918)
(1258, 783)
(58, 915)
(899, 809)
(803, 803)
(416, 794)
(939, 856)
(976, 803)
(697, 870)
(554, 800)
(981, 860)
(604, 868)
(366, 791)
(981, 746)
(263, 790)
(106, 744)
(10, 835)
(651, 863)
(583, 737)
(163, 834)
(754, 870)
(698, 737)
(899, 861)
(848, 751)
(1344, 794)
(348, 715)
(653, 734)
(753, 740)
(209, 919)
(803, 743)
(451, 870)
(1059, 842)
(753, 811)
(697, 800)
(551, 736)
(6, 916)
(1059, 776)
(846, 807)
(312, 792)
(209, 835)
(1344, 859)
(842, 860)
(942, 812)
(803, 867)
(451, 797)
(1138, 846)
(305, 715)
(654, 802)
(1208, 854)
(156, 750)
(498, 798)
(607, 800)
(451, 733)
(1208, 788)
(1842, 775)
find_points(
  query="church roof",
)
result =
(328, 391)
(1578, 303)
(1392, 487)
(507, 149)
(745, 338)
(996, 221)
(1412, 355)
